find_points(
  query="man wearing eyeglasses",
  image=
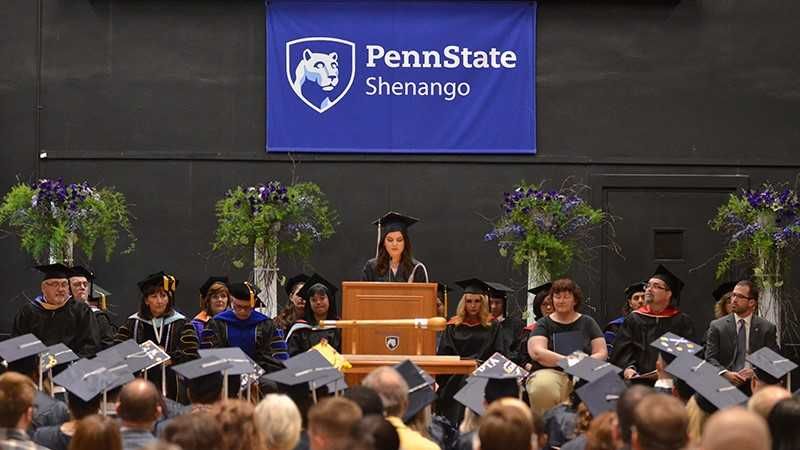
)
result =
(731, 338)
(659, 315)
(84, 290)
(54, 316)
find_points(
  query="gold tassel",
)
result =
(103, 304)
(252, 295)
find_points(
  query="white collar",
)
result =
(747, 320)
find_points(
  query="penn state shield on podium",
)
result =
(380, 301)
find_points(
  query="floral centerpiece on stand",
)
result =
(265, 220)
(763, 230)
(51, 217)
(544, 229)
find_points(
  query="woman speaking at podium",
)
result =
(393, 261)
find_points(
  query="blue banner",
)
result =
(401, 76)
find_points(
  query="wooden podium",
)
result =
(368, 300)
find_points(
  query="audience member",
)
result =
(237, 420)
(57, 437)
(367, 399)
(196, 431)
(393, 391)
(16, 411)
(378, 433)
(697, 419)
(331, 422)
(602, 431)
(507, 424)
(46, 410)
(626, 405)
(736, 428)
(660, 423)
(96, 432)
(783, 423)
(138, 408)
(279, 421)
(583, 419)
(762, 401)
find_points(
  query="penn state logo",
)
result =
(320, 70)
(392, 342)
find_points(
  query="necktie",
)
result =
(741, 346)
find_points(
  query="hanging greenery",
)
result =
(544, 228)
(50, 216)
(289, 220)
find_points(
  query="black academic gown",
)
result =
(370, 273)
(509, 337)
(302, 339)
(632, 345)
(467, 341)
(73, 324)
(105, 327)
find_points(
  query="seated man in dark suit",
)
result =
(731, 338)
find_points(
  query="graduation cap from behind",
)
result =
(55, 355)
(704, 378)
(420, 389)
(309, 369)
(499, 367)
(208, 369)
(160, 279)
(52, 271)
(601, 395)
(245, 291)
(474, 286)
(292, 282)
(723, 289)
(770, 367)
(471, 395)
(634, 288)
(496, 378)
(312, 282)
(673, 282)
(498, 290)
(20, 347)
(671, 345)
(87, 379)
(137, 356)
(392, 221)
(209, 282)
(588, 368)
(241, 364)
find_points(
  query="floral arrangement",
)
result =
(274, 218)
(51, 216)
(761, 226)
(544, 228)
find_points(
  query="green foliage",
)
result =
(544, 228)
(277, 219)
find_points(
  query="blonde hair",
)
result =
(720, 306)
(484, 314)
(239, 430)
(279, 421)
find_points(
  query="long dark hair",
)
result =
(406, 261)
(308, 313)
(144, 310)
(782, 421)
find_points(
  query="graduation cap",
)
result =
(292, 282)
(498, 290)
(309, 368)
(704, 378)
(567, 342)
(601, 395)
(137, 356)
(392, 221)
(100, 295)
(474, 286)
(770, 366)
(675, 345)
(723, 289)
(20, 347)
(168, 282)
(80, 271)
(55, 355)
(244, 291)
(499, 367)
(634, 288)
(496, 378)
(312, 282)
(442, 288)
(241, 364)
(471, 395)
(541, 288)
(202, 367)
(588, 368)
(87, 379)
(56, 270)
(673, 282)
(210, 281)
(420, 390)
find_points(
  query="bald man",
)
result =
(765, 398)
(138, 407)
(736, 428)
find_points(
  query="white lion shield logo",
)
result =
(318, 67)
(392, 342)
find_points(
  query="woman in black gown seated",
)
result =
(393, 261)
(320, 296)
(471, 333)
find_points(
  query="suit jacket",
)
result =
(721, 341)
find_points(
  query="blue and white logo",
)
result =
(320, 70)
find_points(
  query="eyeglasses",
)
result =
(246, 307)
(57, 284)
(80, 283)
(743, 297)
(656, 286)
